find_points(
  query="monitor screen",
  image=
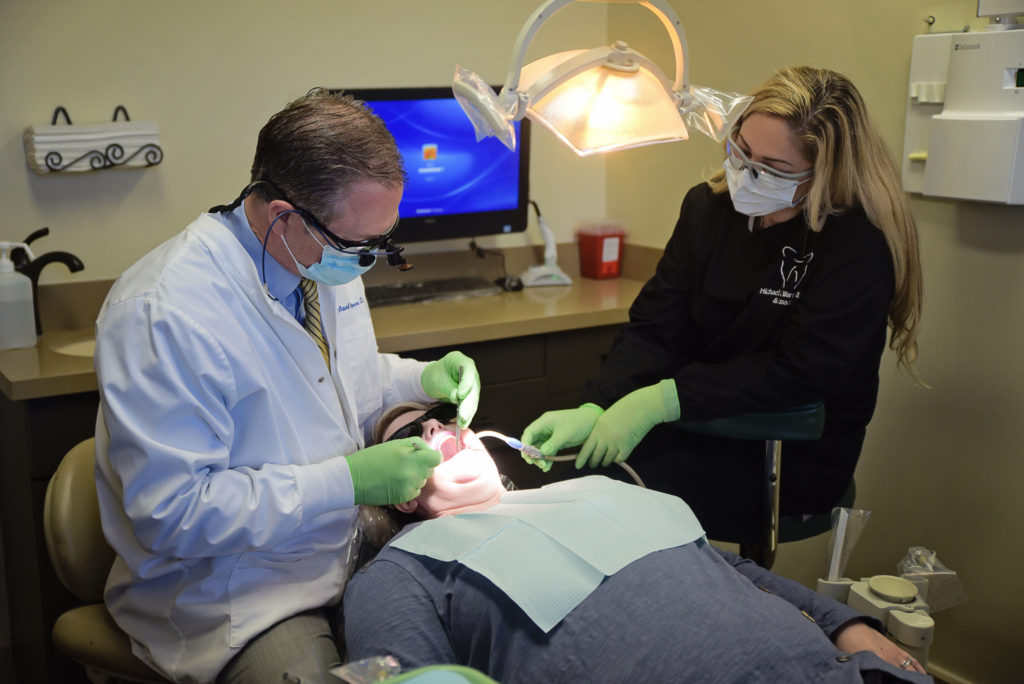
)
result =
(456, 187)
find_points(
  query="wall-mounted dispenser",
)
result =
(964, 136)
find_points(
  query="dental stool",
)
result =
(81, 558)
(800, 423)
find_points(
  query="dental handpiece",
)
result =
(534, 452)
(528, 450)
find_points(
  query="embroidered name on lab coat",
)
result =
(351, 305)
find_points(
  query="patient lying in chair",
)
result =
(589, 580)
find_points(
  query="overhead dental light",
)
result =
(600, 100)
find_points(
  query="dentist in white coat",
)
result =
(231, 441)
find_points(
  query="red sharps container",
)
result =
(601, 250)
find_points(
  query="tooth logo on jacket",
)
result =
(794, 268)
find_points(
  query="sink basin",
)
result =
(83, 348)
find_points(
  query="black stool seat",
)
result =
(799, 423)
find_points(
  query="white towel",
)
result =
(88, 148)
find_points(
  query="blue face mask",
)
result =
(334, 268)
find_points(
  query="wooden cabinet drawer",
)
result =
(498, 361)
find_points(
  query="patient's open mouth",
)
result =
(446, 444)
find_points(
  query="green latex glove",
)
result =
(440, 380)
(392, 472)
(627, 421)
(557, 430)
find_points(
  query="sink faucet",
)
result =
(33, 267)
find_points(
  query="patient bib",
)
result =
(547, 549)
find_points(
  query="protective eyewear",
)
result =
(373, 244)
(733, 149)
(367, 250)
(442, 413)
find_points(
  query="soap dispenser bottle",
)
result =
(17, 315)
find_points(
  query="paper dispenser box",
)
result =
(964, 135)
(976, 159)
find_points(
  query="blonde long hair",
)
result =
(853, 167)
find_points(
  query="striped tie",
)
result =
(313, 325)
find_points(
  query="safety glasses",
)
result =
(741, 160)
(442, 413)
(367, 250)
(376, 245)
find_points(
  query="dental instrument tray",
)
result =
(430, 290)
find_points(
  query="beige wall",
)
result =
(211, 73)
(942, 467)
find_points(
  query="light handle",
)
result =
(515, 102)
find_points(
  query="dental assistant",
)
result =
(777, 288)
(239, 382)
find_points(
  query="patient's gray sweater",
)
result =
(689, 613)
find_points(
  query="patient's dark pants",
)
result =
(298, 649)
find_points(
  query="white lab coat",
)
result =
(220, 442)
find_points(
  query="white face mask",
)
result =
(761, 195)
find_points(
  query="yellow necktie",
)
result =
(313, 324)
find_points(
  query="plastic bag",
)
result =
(374, 527)
(937, 585)
(367, 670)
(847, 524)
(481, 105)
(714, 112)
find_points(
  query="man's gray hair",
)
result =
(317, 147)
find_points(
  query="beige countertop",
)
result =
(67, 311)
(41, 371)
(531, 311)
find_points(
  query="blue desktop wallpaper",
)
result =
(449, 171)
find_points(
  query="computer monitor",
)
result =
(457, 187)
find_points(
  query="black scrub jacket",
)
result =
(760, 320)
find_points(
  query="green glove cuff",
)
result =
(593, 406)
(432, 379)
(669, 400)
